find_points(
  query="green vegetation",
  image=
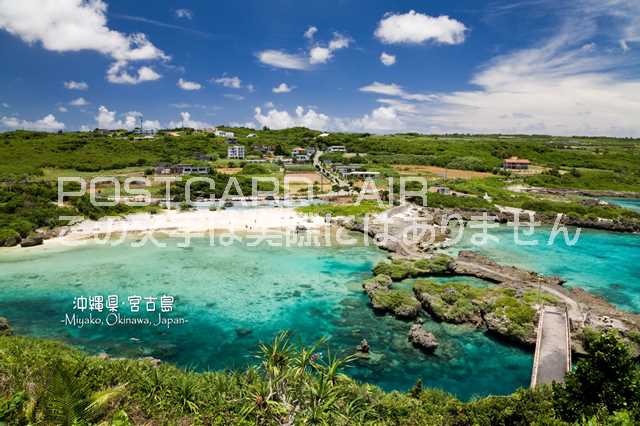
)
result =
(504, 311)
(258, 169)
(496, 189)
(350, 210)
(597, 159)
(25, 207)
(454, 202)
(617, 179)
(589, 163)
(26, 153)
(607, 381)
(400, 269)
(399, 302)
(43, 382)
(454, 302)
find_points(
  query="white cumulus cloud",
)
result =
(280, 59)
(76, 85)
(77, 25)
(187, 121)
(275, 119)
(319, 53)
(118, 74)
(188, 85)
(151, 124)
(108, 119)
(184, 14)
(79, 102)
(387, 59)
(418, 28)
(46, 124)
(311, 31)
(322, 54)
(231, 82)
(282, 88)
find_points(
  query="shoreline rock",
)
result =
(5, 327)
(470, 263)
(422, 339)
(32, 241)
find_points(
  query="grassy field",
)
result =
(442, 172)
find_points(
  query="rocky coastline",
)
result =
(508, 309)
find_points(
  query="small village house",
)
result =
(297, 151)
(264, 149)
(343, 170)
(180, 169)
(235, 152)
(337, 148)
(361, 175)
(163, 169)
(515, 163)
(301, 158)
(223, 134)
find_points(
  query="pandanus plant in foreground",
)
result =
(299, 383)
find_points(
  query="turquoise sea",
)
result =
(628, 203)
(234, 297)
(605, 263)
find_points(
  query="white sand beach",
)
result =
(196, 221)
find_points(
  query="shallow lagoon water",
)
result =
(627, 203)
(605, 263)
(234, 297)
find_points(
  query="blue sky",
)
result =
(524, 66)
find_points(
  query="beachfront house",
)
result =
(515, 163)
(189, 169)
(337, 148)
(235, 152)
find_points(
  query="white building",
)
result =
(235, 152)
(251, 135)
(223, 134)
(337, 148)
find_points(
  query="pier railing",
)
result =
(536, 356)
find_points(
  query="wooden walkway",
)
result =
(552, 359)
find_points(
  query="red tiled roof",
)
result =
(516, 160)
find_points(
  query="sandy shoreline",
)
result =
(179, 223)
(196, 221)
